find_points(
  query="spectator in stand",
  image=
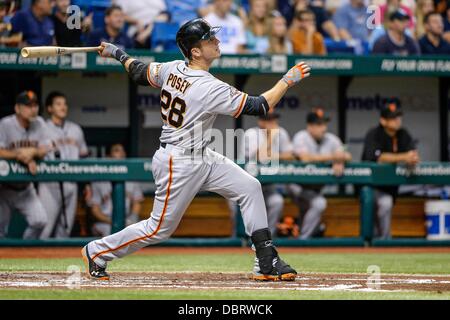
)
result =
(423, 8)
(447, 23)
(279, 42)
(112, 32)
(433, 42)
(232, 35)
(394, 5)
(66, 37)
(34, 24)
(257, 32)
(182, 11)
(441, 5)
(141, 15)
(351, 21)
(396, 41)
(323, 22)
(305, 38)
(6, 39)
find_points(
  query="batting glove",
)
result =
(112, 51)
(296, 74)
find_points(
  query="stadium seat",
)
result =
(350, 47)
(163, 36)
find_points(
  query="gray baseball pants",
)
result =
(178, 178)
(50, 195)
(274, 205)
(28, 204)
(384, 202)
(312, 203)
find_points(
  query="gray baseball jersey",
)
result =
(304, 143)
(14, 136)
(255, 138)
(102, 191)
(23, 196)
(68, 139)
(191, 100)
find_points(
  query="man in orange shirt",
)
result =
(305, 38)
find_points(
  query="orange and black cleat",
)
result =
(94, 271)
(281, 271)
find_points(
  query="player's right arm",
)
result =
(141, 73)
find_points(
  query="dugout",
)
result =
(112, 109)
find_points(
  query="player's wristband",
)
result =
(121, 56)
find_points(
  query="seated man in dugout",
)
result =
(388, 143)
(269, 142)
(315, 145)
(101, 203)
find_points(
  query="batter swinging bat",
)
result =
(51, 51)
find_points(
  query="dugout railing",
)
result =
(365, 175)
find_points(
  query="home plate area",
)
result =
(228, 281)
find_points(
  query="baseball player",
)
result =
(101, 202)
(267, 141)
(60, 199)
(23, 137)
(316, 145)
(191, 99)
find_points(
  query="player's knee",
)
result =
(319, 203)
(385, 205)
(252, 186)
(276, 201)
(39, 222)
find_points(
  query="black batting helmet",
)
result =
(192, 32)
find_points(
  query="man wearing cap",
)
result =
(388, 143)
(396, 41)
(316, 145)
(268, 142)
(34, 24)
(24, 137)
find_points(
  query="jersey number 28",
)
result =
(172, 111)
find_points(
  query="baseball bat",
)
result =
(52, 51)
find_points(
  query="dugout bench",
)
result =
(366, 175)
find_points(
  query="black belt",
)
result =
(163, 144)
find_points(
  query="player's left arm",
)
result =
(296, 74)
(268, 100)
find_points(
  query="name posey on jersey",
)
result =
(178, 83)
